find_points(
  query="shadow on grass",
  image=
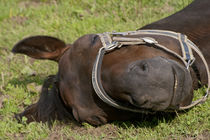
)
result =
(148, 121)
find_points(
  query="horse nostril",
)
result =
(141, 66)
(144, 66)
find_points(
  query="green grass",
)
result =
(68, 20)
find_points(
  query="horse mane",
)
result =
(50, 106)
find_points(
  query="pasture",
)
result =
(21, 77)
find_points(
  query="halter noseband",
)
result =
(120, 39)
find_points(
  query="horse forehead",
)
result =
(85, 49)
(81, 55)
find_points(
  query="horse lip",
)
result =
(175, 81)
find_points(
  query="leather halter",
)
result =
(116, 40)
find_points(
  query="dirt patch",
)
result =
(55, 133)
(57, 136)
(204, 136)
(4, 50)
(1, 99)
(167, 7)
(19, 20)
(18, 136)
(110, 131)
(36, 3)
(32, 3)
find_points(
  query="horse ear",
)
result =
(41, 47)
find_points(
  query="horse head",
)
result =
(140, 76)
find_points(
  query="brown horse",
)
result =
(139, 75)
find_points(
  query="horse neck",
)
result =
(193, 21)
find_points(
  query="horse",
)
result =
(115, 76)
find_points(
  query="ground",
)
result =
(21, 77)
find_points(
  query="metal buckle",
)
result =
(190, 62)
(111, 46)
(149, 40)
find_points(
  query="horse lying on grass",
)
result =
(115, 76)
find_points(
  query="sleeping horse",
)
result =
(115, 76)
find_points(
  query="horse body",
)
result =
(135, 75)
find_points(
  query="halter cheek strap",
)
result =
(120, 39)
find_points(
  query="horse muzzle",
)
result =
(157, 84)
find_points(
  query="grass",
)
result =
(21, 77)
